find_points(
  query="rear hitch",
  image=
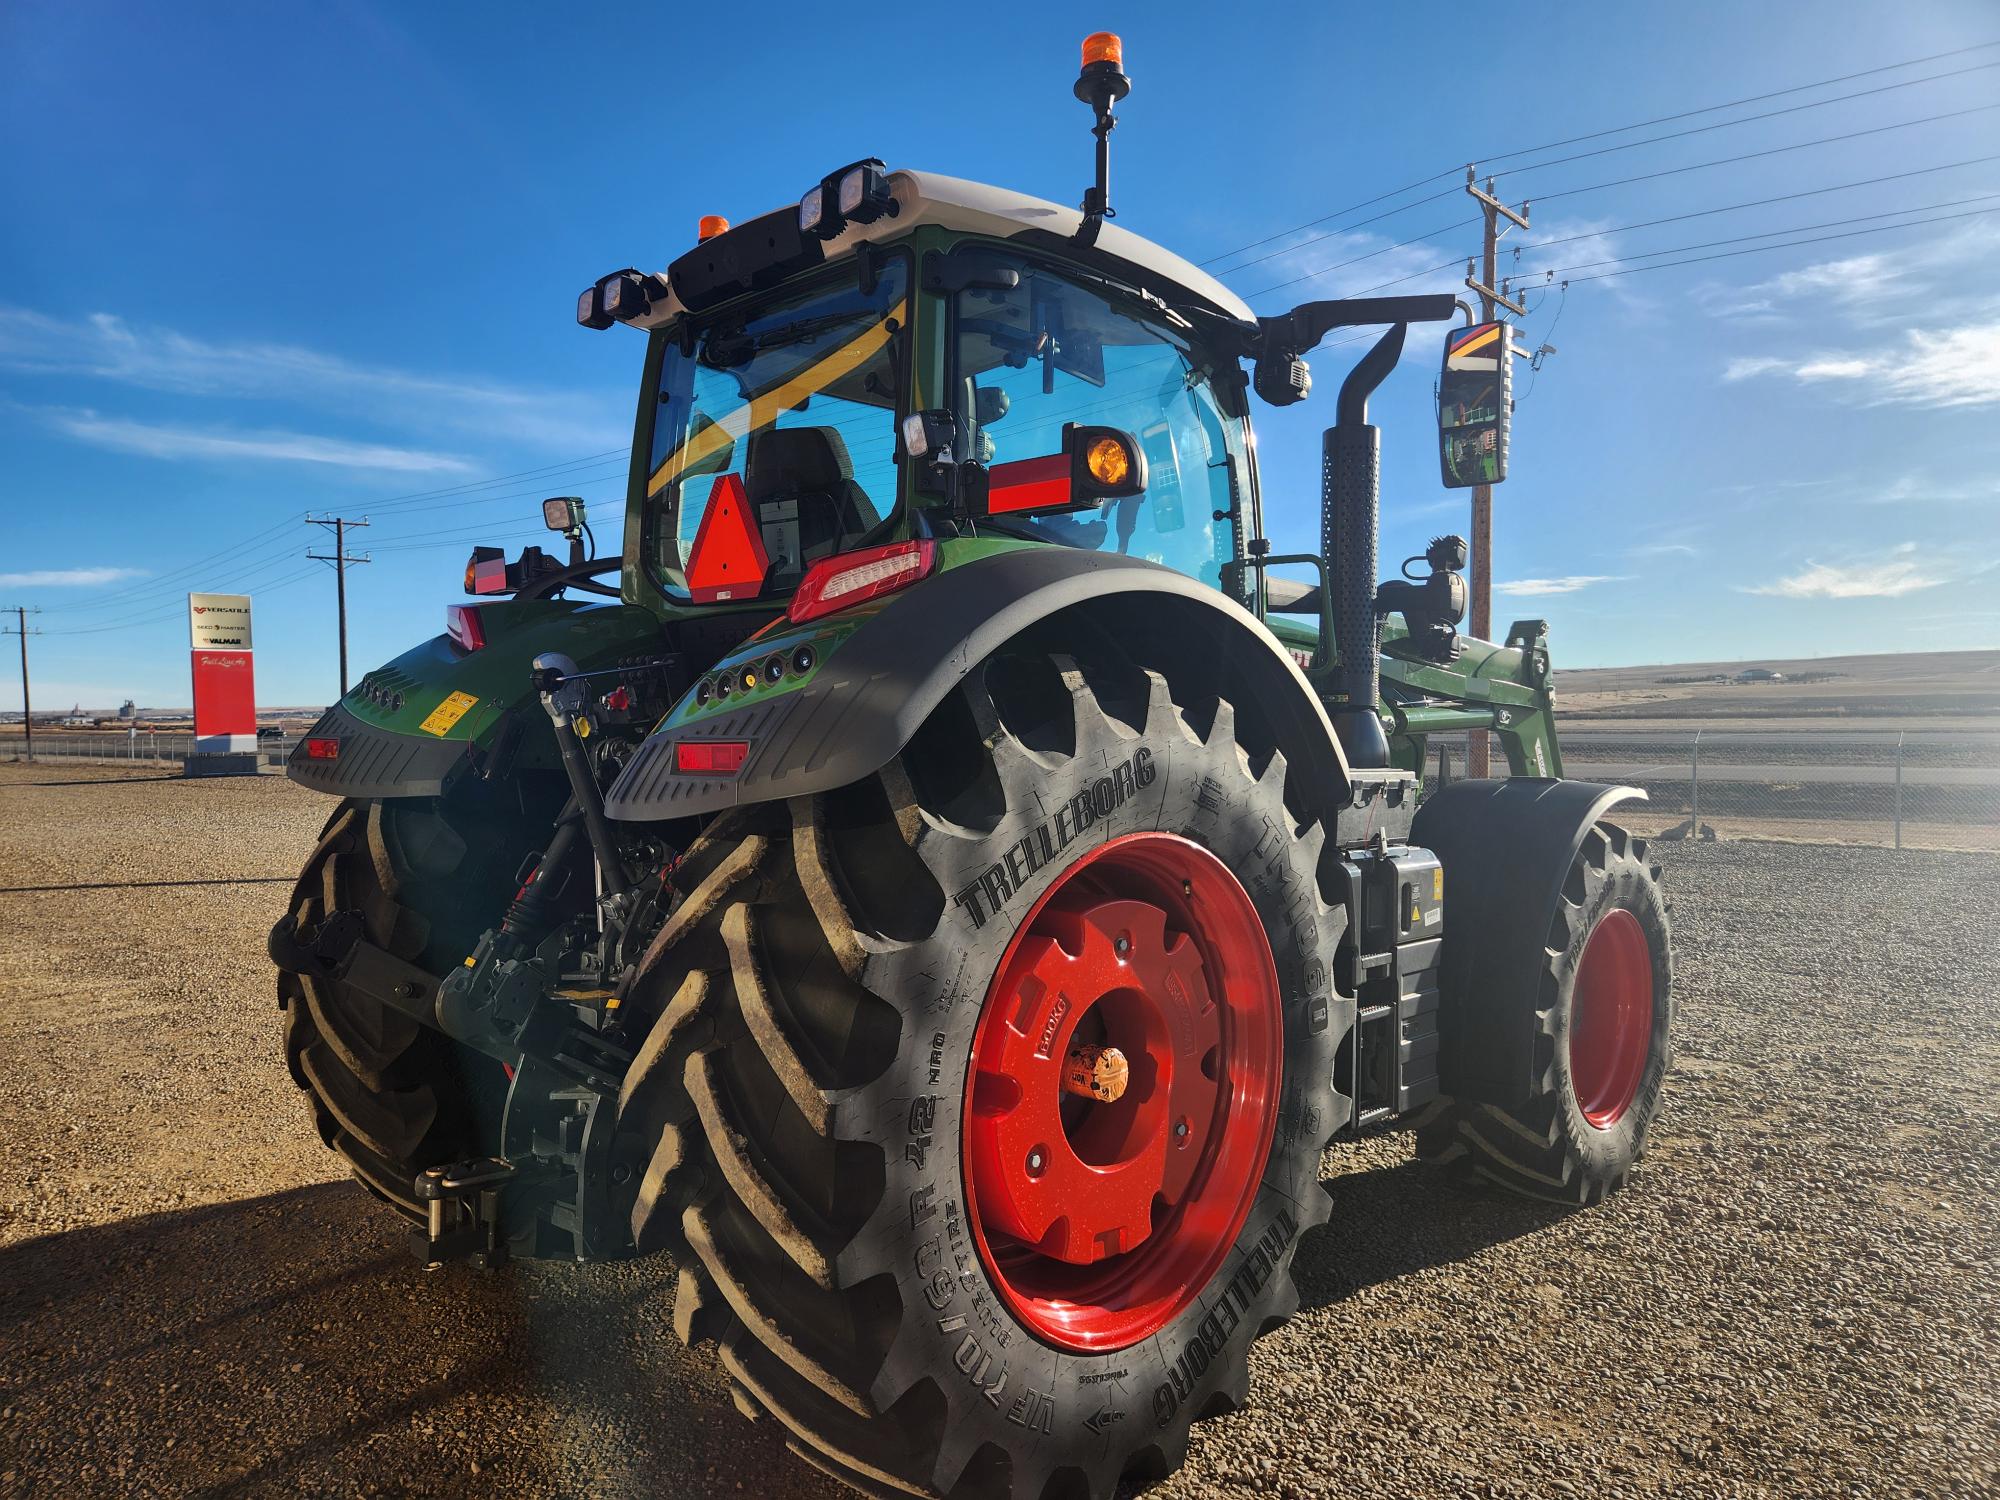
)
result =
(462, 1203)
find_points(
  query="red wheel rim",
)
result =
(1611, 1018)
(1101, 1221)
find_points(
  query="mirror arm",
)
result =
(1300, 330)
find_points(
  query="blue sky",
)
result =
(261, 259)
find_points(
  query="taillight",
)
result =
(486, 571)
(463, 625)
(710, 757)
(849, 578)
(322, 749)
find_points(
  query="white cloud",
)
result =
(1884, 288)
(66, 578)
(1664, 549)
(1948, 368)
(1919, 488)
(104, 346)
(170, 440)
(1754, 365)
(1889, 577)
(1569, 584)
(1344, 263)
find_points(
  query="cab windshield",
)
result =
(1055, 350)
(781, 420)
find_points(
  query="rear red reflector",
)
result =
(849, 578)
(1029, 484)
(463, 625)
(727, 560)
(710, 757)
(322, 749)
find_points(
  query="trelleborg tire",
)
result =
(860, 1020)
(391, 1096)
(1603, 1023)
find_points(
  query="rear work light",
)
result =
(463, 625)
(849, 578)
(710, 757)
(322, 749)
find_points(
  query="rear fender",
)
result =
(414, 727)
(875, 682)
(1506, 847)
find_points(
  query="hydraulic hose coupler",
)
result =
(562, 691)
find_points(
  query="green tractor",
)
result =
(938, 882)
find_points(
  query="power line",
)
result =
(1847, 234)
(1492, 157)
(1740, 239)
(1621, 229)
(1790, 109)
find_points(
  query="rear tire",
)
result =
(797, 1117)
(1604, 1027)
(389, 1095)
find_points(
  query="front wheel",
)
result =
(984, 1103)
(1604, 1022)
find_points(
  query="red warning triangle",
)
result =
(728, 560)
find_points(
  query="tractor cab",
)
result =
(934, 365)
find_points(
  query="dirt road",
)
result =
(1797, 1296)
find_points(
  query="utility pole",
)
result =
(1492, 295)
(340, 559)
(21, 613)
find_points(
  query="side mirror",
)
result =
(1095, 464)
(1475, 404)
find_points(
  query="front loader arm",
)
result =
(1503, 688)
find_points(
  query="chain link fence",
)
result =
(144, 747)
(1914, 789)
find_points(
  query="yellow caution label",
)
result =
(447, 713)
(1437, 884)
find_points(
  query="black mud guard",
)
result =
(1506, 847)
(875, 692)
(376, 762)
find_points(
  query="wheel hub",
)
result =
(1123, 1090)
(1611, 1018)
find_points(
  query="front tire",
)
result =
(812, 1118)
(1604, 1026)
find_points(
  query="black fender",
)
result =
(1506, 847)
(397, 738)
(871, 696)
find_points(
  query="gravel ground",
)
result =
(1797, 1295)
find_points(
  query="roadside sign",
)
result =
(219, 661)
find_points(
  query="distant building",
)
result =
(1759, 674)
(127, 710)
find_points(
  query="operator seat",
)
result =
(809, 467)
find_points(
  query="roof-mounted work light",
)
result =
(856, 194)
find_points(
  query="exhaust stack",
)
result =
(1350, 520)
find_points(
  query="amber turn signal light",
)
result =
(1108, 462)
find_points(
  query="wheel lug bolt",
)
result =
(1122, 945)
(1181, 1129)
(1036, 1162)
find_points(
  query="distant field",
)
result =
(1891, 691)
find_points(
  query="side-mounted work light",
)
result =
(619, 298)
